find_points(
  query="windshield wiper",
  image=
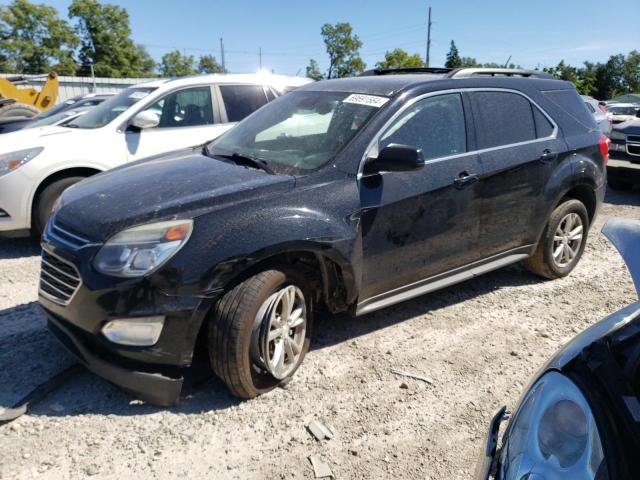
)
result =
(242, 159)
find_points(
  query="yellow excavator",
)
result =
(26, 102)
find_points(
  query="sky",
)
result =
(533, 33)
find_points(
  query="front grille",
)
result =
(59, 280)
(66, 234)
(633, 138)
(633, 149)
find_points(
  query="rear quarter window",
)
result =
(573, 106)
(504, 118)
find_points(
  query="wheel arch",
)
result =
(54, 177)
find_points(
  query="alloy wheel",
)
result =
(283, 323)
(567, 239)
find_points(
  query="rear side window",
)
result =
(503, 118)
(570, 103)
(435, 124)
(241, 101)
(590, 107)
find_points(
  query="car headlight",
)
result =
(12, 160)
(616, 135)
(553, 435)
(138, 251)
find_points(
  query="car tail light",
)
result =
(604, 144)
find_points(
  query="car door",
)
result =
(421, 223)
(519, 150)
(187, 118)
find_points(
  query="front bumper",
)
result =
(625, 167)
(14, 200)
(153, 373)
(155, 388)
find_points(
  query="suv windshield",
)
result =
(297, 133)
(107, 111)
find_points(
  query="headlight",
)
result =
(553, 435)
(140, 250)
(12, 160)
(616, 135)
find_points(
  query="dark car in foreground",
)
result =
(348, 195)
(580, 417)
(623, 168)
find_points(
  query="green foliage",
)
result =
(106, 40)
(209, 64)
(619, 75)
(313, 70)
(399, 58)
(453, 57)
(175, 64)
(34, 39)
(343, 48)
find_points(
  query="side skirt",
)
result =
(442, 280)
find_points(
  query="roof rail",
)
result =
(396, 71)
(498, 72)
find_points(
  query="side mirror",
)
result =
(144, 120)
(395, 158)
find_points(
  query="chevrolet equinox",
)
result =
(348, 195)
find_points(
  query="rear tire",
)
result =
(617, 184)
(46, 200)
(18, 110)
(559, 250)
(241, 325)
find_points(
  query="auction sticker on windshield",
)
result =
(369, 100)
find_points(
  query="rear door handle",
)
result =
(548, 156)
(465, 179)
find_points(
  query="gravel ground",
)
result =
(478, 342)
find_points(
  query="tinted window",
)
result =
(502, 118)
(190, 107)
(242, 100)
(590, 107)
(544, 128)
(571, 104)
(435, 124)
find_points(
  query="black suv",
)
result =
(349, 195)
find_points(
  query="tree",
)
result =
(34, 39)
(209, 64)
(106, 40)
(343, 48)
(453, 57)
(469, 62)
(399, 58)
(175, 64)
(313, 70)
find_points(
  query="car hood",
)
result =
(184, 184)
(629, 127)
(34, 137)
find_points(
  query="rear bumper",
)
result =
(154, 387)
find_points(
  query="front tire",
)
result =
(46, 200)
(562, 242)
(259, 332)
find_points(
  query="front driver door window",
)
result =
(418, 224)
(186, 119)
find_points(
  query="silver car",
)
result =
(600, 115)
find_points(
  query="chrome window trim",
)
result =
(376, 139)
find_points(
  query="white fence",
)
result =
(74, 86)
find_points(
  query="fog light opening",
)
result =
(137, 332)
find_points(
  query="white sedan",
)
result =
(37, 165)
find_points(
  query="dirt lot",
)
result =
(479, 342)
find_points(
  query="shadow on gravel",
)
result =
(18, 248)
(332, 330)
(30, 356)
(617, 197)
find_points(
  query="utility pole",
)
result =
(260, 55)
(224, 68)
(428, 39)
